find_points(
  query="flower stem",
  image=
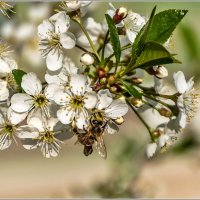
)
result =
(81, 48)
(150, 130)
(89, 39)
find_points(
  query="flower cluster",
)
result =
(90, 100)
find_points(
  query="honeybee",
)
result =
(93, 135)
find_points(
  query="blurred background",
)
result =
(126, 172)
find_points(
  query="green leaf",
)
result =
(114, 38)
(18, 74)
(131, 90)
(154, 54)
(163, 24)
(140, 39)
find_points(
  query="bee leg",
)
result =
(84, 129)
(87, 150)
(74, 127)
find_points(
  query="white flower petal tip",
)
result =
(105, 99)
(54, 60)
(151, 150)
(31, 84)
(65, 116)
(21, 102)
(180, 82)
(78, 84)
(90, 100)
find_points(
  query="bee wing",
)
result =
(101, 147)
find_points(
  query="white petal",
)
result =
(90, 100)
(5, 141)
(180, 103)
(72, 5)
(182, 118)
(49, 150)
(180, 82)
(2, 121)
(67, 40)
(162, 141)
(14, 117)
(49, 78)
(62, 23)
(82, 120)
(54, 60)
(65, 116)
(11, 62)
(31, 84)
(21, 102)
(50, 91)
(158, 84)
(105, 99)
(69, 66)
(36, 122)
(118, 108)
(51, 123)
(190, 84)
(83, 41)
(93, 27)
(4, 66)
(27, 132)
(112, 128)
(45, 29)
(131, 35)
(61, 97)
(151, 150)
(4, 92)
(78, 84)
(30, 143)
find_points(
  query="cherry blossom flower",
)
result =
(54, 36)
(7, 64)
(34, 97)
(10, 127)
(47, 135)
(187, 99)
(110, 109)
(70, 6)
(76, 101)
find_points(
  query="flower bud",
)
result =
(165, 112)
(111, 79)
(87, 59)
(157, 133)
(120, 14)
(151, 149)
(101, 73)
(119, 120)
(160, 71)
(113, 89)
(137, 80)
(136, 102)
(103, 81)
